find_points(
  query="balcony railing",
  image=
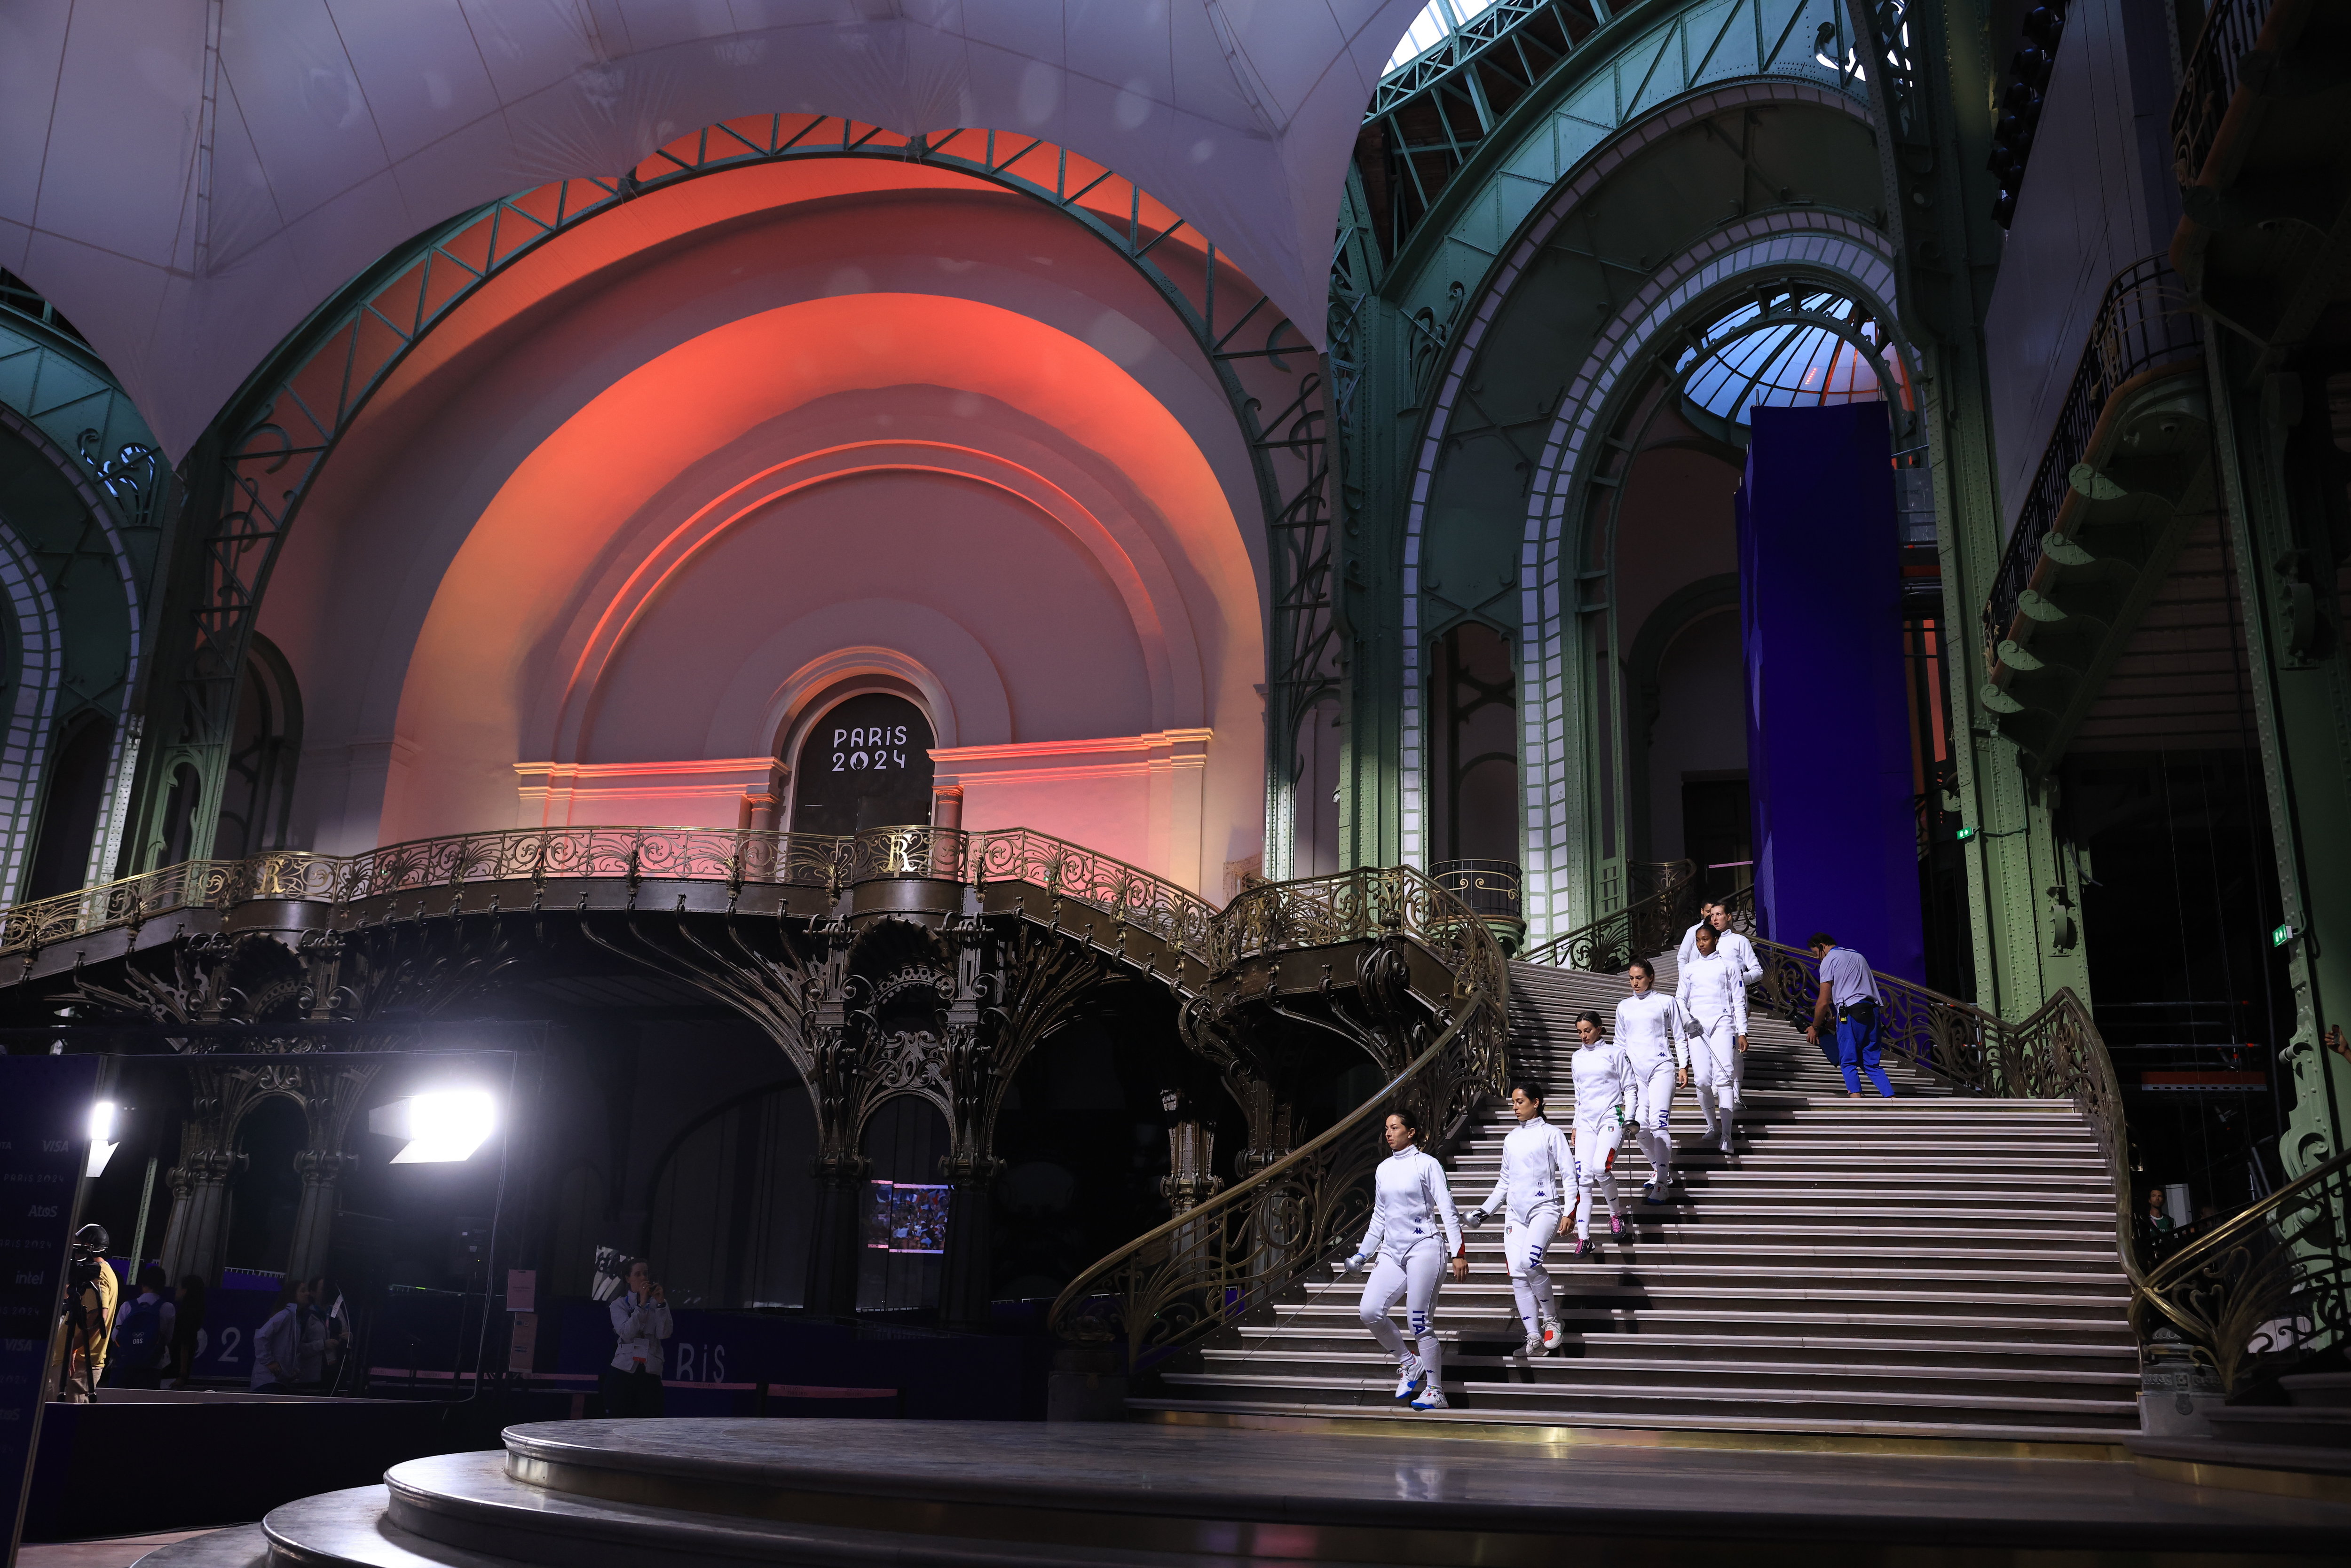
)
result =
(2143, 324)
(2209, 82)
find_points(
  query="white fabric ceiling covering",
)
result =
(343, 126)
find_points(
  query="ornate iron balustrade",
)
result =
(128, 901)
(2267, 1288)
(1173, 914)
(1490, 888)
(1646, 925)
(1361, 906)
(2143, 324)
(540, 856)
(2208, 81)
(1215, 1263)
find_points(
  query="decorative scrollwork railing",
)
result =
(1361, 906)
(2144, 324)
(2267, 1288)
(540, 856)
(2208, 82)
(1175, 914)
(1217, 1261)
(1646, 925)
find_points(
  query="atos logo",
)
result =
(42, 1211)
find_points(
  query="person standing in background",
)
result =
(143, 1333)
(641, 1320)
(187, 1326)
(1849, 989)
(277, 1346)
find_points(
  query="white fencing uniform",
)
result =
(1739, 949)
(1652, 1032)
(1713, 993)
(1538, 1183)
(1415, 1233)
(1602, 1084)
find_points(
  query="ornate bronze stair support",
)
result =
(1385, 959)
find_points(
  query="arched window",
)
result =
(865, 764)
(1474, 699)
(259, 790)
(905, 1206)
(731, 1205)
(265, 1193)
(76, 796)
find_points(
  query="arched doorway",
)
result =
(865, 764)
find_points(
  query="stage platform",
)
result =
(618, 1494)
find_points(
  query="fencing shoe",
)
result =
(1409, 1378)
(1534, 1347)
(1586, 1248)
(1552, 1334)
(1431, 1398)
(1615, 1225)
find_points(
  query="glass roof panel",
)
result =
(1740, 364)
(1433, 27)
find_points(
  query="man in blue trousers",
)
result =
(1849, 989)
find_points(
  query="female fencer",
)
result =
(1652, 1032)
(1538, 1183)
(1415, 1233)
(1712, 989)
(1603, 1087)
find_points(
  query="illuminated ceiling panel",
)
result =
(188, 179)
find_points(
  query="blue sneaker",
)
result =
(1431, 1398)
(1410, 1378)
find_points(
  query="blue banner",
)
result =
(43, 1140)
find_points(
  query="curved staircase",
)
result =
(1937, 1265)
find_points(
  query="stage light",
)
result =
(101, 1135)
(438, 1127)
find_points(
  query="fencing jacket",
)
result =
(1711, 986)
(1538, 1171)
(1652, 1030)
(1601, 1077)
(1412, 1202)
(1739, 949)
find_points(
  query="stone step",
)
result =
(1997, 1356)
(1500, 1362)
(1711, 1421)
(1689, 1316)
(1572, 1402)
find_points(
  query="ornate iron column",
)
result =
(193, 1236)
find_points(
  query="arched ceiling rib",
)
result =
(187, 179)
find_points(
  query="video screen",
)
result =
(906, 1216)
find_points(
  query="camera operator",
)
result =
(88, 1325)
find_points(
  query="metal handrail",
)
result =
(1185, 1278)
(2144, 323)
(2208, 82)
(736, 857)
(2269, 1285)
(1211, 1265)
(1642, 928)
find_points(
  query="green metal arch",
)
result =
(1645, 58)
(261, 456)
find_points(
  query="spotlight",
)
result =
(101, 1136)
(437, 1127)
